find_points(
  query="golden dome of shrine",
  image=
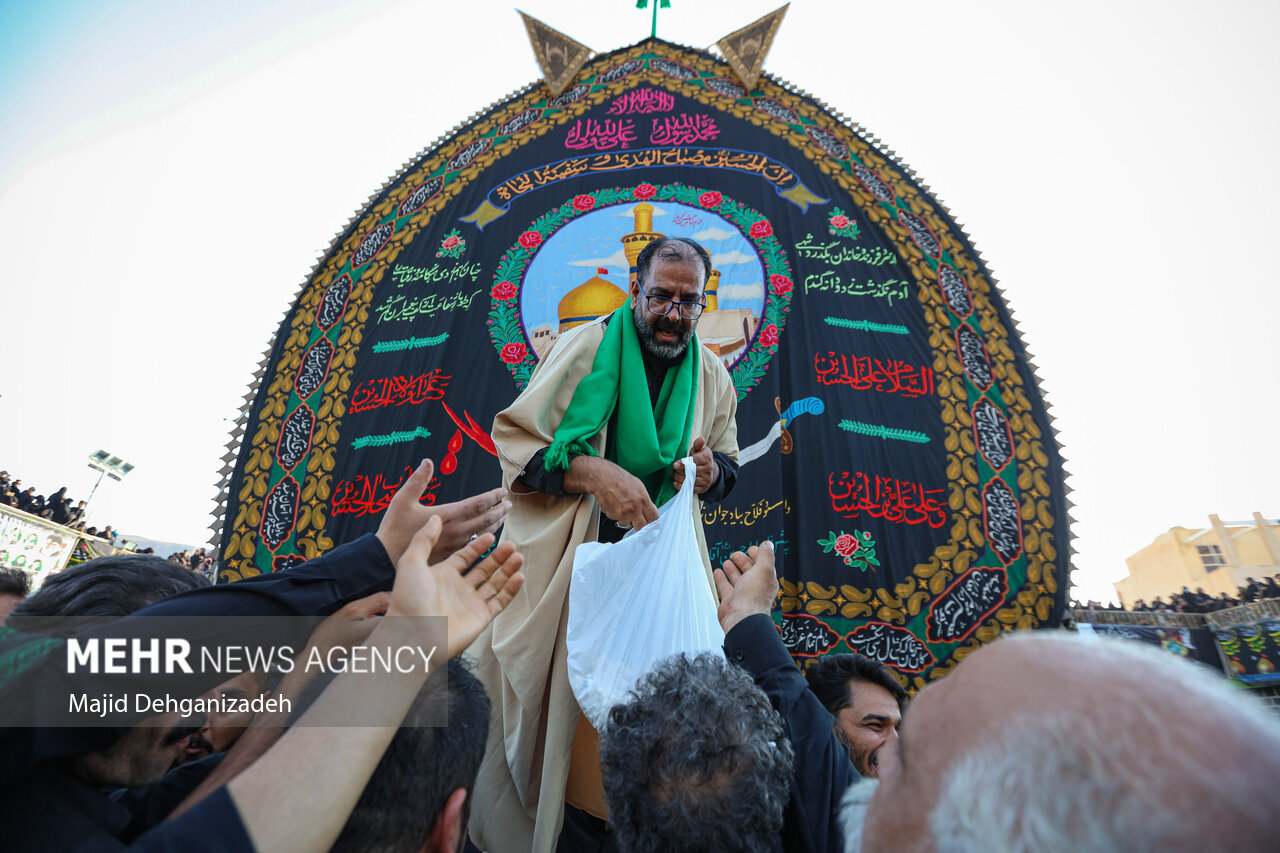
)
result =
(593, 298)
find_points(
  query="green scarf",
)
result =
(650, 438)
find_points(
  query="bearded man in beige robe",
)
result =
(586, 456)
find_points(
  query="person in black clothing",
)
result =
(866, 701)
(59, 512)
(52, 766)
(50, 779)
(1252, 591)
(748, 586)
(29, 501)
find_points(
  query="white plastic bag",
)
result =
(633, 603)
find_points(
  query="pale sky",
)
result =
(170, 171)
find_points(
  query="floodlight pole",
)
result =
(102, 472)
(105, 463)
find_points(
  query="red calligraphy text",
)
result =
(888, 498)
(399, 391)
(370, 495)
(888, 375)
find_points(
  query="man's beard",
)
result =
(648, 336)
(873, 762)
(853, 811)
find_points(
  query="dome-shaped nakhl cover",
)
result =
(894, 443)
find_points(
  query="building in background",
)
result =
(1218, 557)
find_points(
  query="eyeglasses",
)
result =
(661, 306)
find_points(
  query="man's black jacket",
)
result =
(823, 771)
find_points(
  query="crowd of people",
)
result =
(1198, 601)
(742, 751)
(58, 507)
(201, 560)
(61, 509)
(1040, 741)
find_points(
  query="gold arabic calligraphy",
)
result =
(749, 515)
(712, 158)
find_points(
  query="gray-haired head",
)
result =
(697, 760)
(1047, 742)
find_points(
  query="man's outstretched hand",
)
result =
(748, 584)
(405, 516)
(707, 470)
(469, 599)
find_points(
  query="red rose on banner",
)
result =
(645, 191)
(529, 239)
(781, 284)
(582, 202)
(450, 242)
(504, 290)
(840, 221)
(846, 544)
(709, 199)
(514, 353)
(761, 229)
(769, 337)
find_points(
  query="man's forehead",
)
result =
(870, 698)
(684, 274)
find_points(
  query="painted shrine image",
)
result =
(554, 299)
(893, 441)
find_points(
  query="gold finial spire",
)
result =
(746, 48)
(559, 57)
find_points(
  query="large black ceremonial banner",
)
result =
(1193, 643)
(894, 442)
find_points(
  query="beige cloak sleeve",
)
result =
(521, 658)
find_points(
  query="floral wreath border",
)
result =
(506, 330)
